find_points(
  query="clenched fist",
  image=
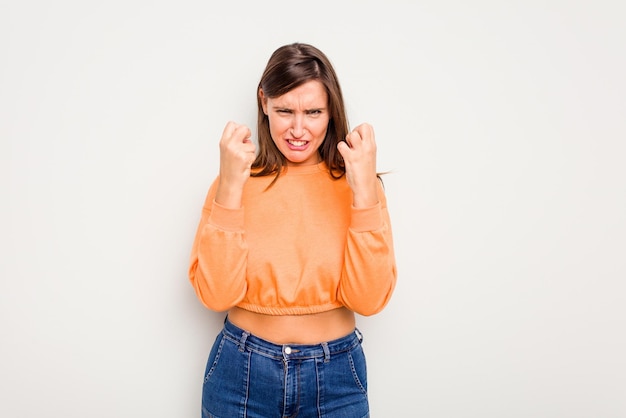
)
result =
(237, 153)
(359, 154)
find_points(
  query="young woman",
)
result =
(293, 241)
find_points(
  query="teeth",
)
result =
(297, 143)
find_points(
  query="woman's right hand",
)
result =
(237, 153)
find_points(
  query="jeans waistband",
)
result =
(248, 341)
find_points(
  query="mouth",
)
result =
(297, 143)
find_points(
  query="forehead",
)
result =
(310, 94)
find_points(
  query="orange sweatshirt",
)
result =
(296, 248)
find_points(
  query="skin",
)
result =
(298, 122)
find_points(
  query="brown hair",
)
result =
(289, 67)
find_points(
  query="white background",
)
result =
(503, 124)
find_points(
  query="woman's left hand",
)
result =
(359, 154)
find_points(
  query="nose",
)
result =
(297, 128)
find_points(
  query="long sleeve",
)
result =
(296, 248)
(369, 273)
(219, 256)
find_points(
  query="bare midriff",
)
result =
(295, 329)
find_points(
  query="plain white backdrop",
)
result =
(503, 125)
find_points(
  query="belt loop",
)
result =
(326, 352)
(358, 335)
(242, 341)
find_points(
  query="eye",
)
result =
(283, 111)
(314, 112)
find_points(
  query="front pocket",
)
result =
(358, 367)
(226, 380)
(214, 356)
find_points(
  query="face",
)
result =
(298, 122)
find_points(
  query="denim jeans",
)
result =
(248, 377)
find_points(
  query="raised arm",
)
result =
(219, 254)
(369, 274)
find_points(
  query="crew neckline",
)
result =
(305, 169)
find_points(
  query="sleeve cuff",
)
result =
(226, 218)
(367, 219)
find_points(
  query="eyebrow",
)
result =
(312, 109)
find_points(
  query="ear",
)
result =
(263, 101)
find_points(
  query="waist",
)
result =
(325, 349)
(295, 329)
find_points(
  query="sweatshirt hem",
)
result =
(289, 310)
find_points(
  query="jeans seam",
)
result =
(215, 361)
(357, 380)
(246, 380)
(324, 363)
(319, 377)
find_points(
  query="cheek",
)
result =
(321, 128)
(277, 126)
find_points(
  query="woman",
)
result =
(294, 240)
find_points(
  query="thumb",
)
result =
(343, 148)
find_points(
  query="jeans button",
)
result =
(287, 350)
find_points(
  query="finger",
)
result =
(248, 147)
(242, 133)
(229, 129)
(354, 139)
(343, 149)
(364, 127)
(366, 132)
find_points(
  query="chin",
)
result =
(298, 160)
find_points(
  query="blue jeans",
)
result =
(248, 377)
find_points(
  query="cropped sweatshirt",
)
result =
(298, 247)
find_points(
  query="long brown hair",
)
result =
(289, 67)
